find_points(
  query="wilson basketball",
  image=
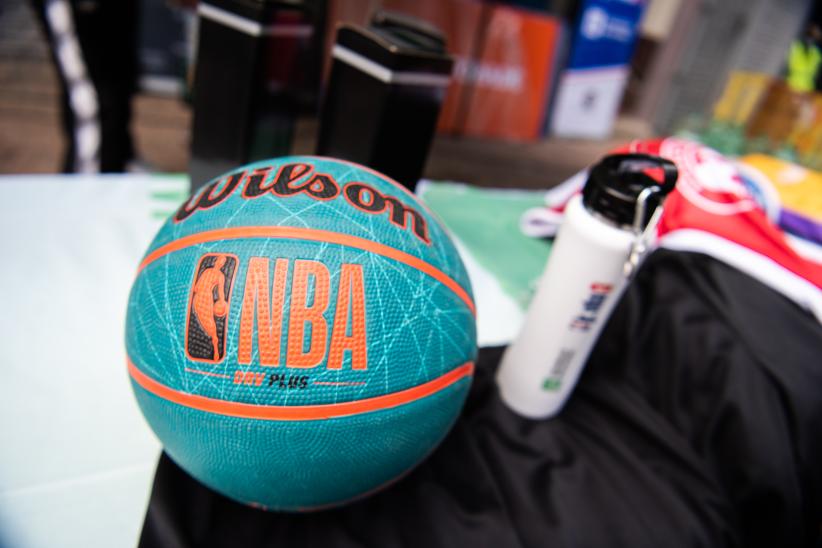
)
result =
(300, 333)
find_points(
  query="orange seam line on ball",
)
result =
(313, 235)
(299, 412)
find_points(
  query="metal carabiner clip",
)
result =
(641, 240)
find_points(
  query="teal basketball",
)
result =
(300, 333)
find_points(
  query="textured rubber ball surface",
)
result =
(300, 333)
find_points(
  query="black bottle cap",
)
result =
(614, 185)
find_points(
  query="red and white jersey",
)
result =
(711, 211)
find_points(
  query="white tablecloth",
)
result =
(77, 457)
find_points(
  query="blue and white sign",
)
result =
(606, 33)
(591, 87)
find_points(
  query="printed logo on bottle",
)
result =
(208, 306)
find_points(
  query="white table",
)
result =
(77, 457)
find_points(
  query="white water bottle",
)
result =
(599, 246)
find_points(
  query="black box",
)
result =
(258, 65)
(385, 91)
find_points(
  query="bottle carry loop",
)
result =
(643, 235)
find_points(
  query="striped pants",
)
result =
(93, 43)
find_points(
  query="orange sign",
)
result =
(512, 78)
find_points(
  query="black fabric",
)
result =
(697, 422)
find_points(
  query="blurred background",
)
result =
(511, 98)
(539, 88)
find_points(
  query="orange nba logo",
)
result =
(208, 306)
